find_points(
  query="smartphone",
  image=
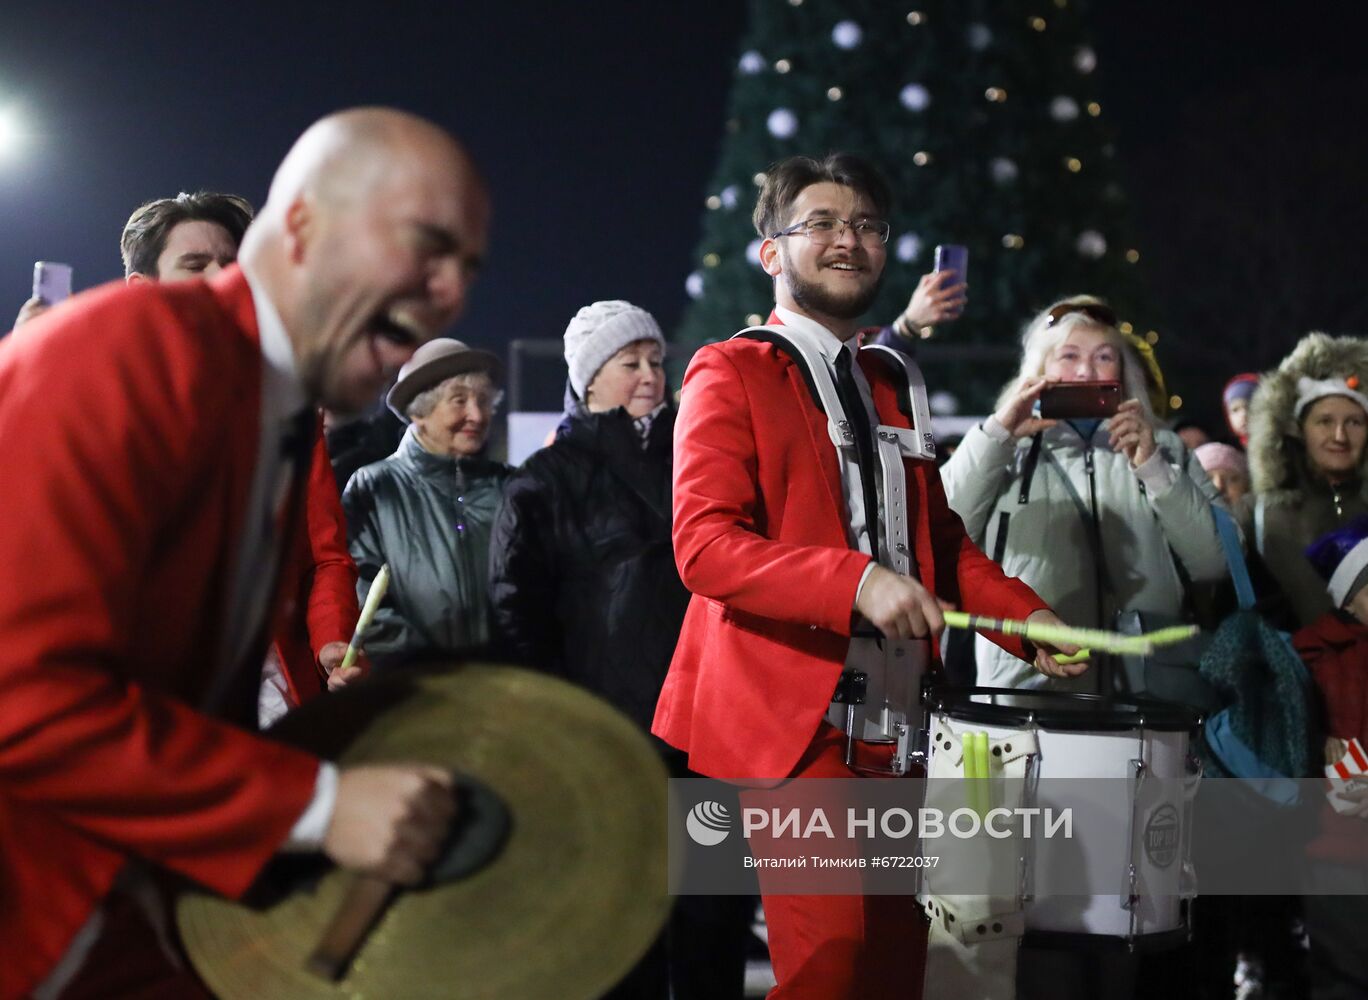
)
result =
(51, 282)
(1065, 400)
(953, 257)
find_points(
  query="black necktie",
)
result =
(853, 404)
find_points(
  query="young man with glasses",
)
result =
(770, 537)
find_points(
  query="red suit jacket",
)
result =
(323, 609)
(760, 540)
(128, 433)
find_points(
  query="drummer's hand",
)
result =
(390, 820)
(899, 606)
(330, 659)
(1044, 658)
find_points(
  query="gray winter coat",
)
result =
(1043, 534)
(430, 518)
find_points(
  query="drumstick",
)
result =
(1096, 639)
(366, 899)
(373, 598)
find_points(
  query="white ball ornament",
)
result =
(1063, 108)
(847, 35)
(753, 251)
(979, 36)
(1091, 243)
(751, 62)
(730, 196)
(1004, 171)
(908, 247)
(693, 285)
(1085, 60)
(915, 97)
(782, 123)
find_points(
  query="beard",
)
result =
(815, 299)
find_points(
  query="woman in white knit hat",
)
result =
(583, 584)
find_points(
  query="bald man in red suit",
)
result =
(769, 535)
(155, 437)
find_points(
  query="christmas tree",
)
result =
(985, 116)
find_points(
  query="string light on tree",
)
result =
(711, 260)
(1073, 164)
(782, 123)
(758, 178)
(1125, 326)
(943, 403)
(1085, 60)
(751, 63)
(915, 18)
(1152, 337)
(713, 202)
(995, 94)
(1094, 108)
(782, 66)
(921, 158)
(847, 35)
(1063, 108)
(754, 319)
(1037, 24)
(1132, 256)
(915, 97)
(1175, 402)
(1013, 242)
(1091, 243)
(753, 251)
(731, 195)
(834, 93)
(693, 285)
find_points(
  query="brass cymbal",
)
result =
(571, 902)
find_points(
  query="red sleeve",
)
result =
(964, 575)
(719, 550)
(332, 605)
(106, 417)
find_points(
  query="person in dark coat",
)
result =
(583, 584)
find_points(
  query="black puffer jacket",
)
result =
(582, 575)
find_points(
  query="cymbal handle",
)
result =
(365, 902)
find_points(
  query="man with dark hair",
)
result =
(190, 235)
(159, 437)
(776, 533)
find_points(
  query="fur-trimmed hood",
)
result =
(1277, 456)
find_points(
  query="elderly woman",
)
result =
(583, 584)
(1308, 423)
(1097, 516)
(428, 509)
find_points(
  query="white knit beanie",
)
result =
(598, 332)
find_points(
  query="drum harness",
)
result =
(880, 701)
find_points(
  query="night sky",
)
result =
(598, 125)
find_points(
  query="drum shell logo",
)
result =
(708, 823)
(1162, 836)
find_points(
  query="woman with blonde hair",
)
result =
(1097, 515)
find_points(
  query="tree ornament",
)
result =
(730, 196)
(1004, 171)
(753, 251)
(751, 63)
(1085, 60)
(943, 403)
(847, 35)
(693, 285)
(908, 248)
(1091, 244)
(782, 123)
(915, 97)
(1063, 108)
(979, 36)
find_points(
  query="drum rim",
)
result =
(1121, 714)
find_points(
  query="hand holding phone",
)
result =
(51, 282)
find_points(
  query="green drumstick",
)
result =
(1095, 639)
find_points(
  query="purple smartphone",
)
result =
(51, 282)
(953, 257)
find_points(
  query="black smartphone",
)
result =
(1066, 400)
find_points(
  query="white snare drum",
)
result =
(1131, 831)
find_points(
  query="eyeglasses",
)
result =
(827, 229)
(1095, 311)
